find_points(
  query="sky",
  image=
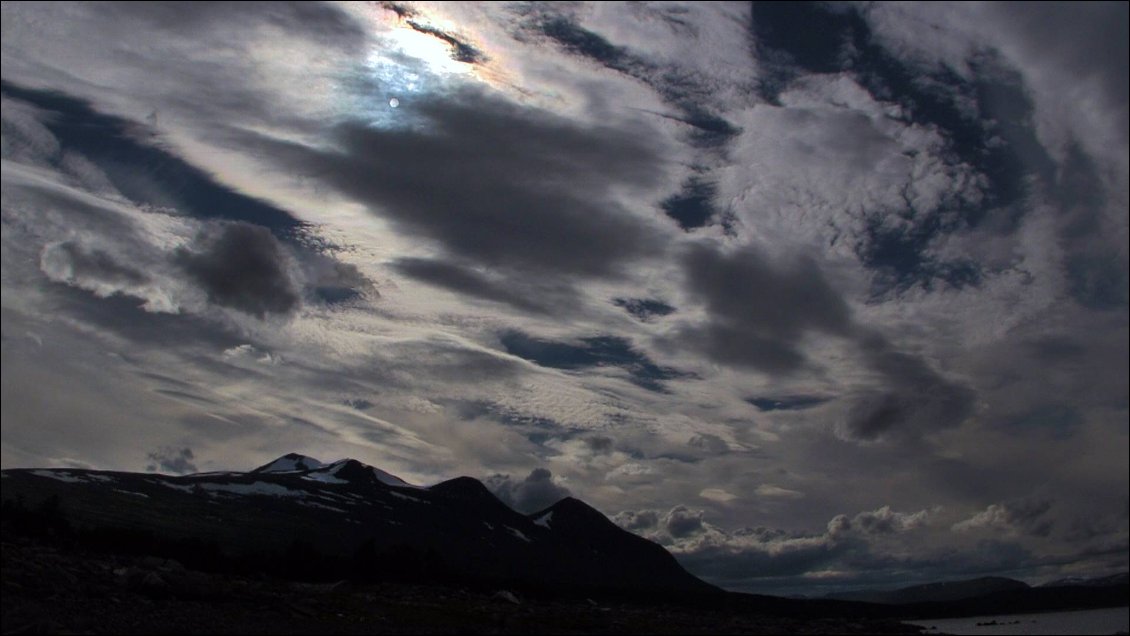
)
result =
(817, 296)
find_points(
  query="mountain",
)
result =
(1103, 581)
(288, 463)
(935, 592)
(300, 517)
(992, 595)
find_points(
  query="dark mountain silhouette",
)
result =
(935, 592)
(990, 595)
(299, 517)
(1121, 578)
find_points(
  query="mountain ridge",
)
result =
(348, 519)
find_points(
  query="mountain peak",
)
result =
(355, 471)
(465, 487)
(291, 462)
(338, 471)
(571, 508)
(574, 505)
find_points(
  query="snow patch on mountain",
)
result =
(325, 478)
(315, 504)
(544, 520)
(408, 497)
(352, 467)
(392, 480)
(72, 478)
(67, 477)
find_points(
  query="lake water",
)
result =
(1100, 621)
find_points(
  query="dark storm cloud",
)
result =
(536, 492)
(333, 295)
(708, 443)
(243, 267)
(1031, 515)
(637, 521)
(915, 399)
(464, 280)
(171, 460)
(361, 404)
(644, 309)
(328, 280)
(140, 169)
(125, 317)
(599, 444)
(682, 522)
(758, 309)
(591, 352)
(1098, 280)
(496, 183)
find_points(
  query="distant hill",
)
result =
(992, 595)
(301, 518)
(935, 592)
(1103, 581)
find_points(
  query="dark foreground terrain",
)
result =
(50, 589)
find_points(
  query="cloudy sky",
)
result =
(817, 296)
